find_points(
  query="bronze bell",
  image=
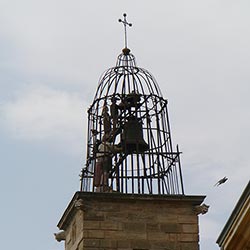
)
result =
(132, 137)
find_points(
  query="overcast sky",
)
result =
(52, 54)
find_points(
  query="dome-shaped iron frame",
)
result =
(127, 92)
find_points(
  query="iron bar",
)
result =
(155, 169)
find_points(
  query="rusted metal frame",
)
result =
(138, 169)
(123, 88)
(143, 116)
(155, 167)
(115, 89)
(108, 85)
(171, 180)
(113, 177)
(158, 179)
(168, 184)
(136, 82)
(162, 107)
(132, 87)
(165, 133)
(154, 155)
(137, 161)
(89, 161)
(144, 165)
(164, 172)
(175, 180)
(107, 81)
(102, 82)
(146, 81)
(132, 171)
(144, 175)
(124, 163)
(126, 81)
(136, 177)
(88, 140)
(158, 90)
(126, 170)
(86, 180)
(149, 157)
(152, 108)
(180, 172)
(138, 172)
(169, 173)
(98, 121)
(159, 140)
(161, 171)
(122, 177)
(123, 168)
(162, 143)
(144, 74)
(119, 162)
(168, 129)
(164, 154)
(164, 181)
(141, 170)
(99, 99)
(174, 183)
(117, 80)
(166, 144)
(98, 126)
(83, 187)
(114, 79)
(150, 135)
(92, 139)
(170, 143)
(117, 177)
(128, 59)
(165, 187)
(170, 165)
(176, 173)
(153, 141)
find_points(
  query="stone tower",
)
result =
(132, 193)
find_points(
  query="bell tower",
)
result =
(132, 192)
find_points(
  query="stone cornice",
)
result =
(118, 197)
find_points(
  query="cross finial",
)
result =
(125, 23)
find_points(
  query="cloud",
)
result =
(34, 33)
(198, 52)
(210, 227)
(41, 114)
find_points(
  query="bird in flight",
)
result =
(221, 181)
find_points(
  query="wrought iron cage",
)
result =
(129, 118)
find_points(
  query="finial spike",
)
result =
(125, 23)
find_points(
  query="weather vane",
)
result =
(125, 23)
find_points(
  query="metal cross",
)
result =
(125, 23)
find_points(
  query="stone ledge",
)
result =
(124, 198)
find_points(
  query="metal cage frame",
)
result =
(124, 93)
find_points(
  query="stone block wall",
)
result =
(110, 221)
